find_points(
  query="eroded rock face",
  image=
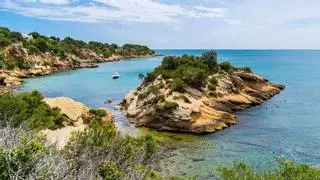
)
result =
(42, 64)
(77, 112)
(197, 111)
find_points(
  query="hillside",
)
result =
(195, 94)
(33, 54)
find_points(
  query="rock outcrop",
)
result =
(197, 111)
(76, 112)
(46, 63)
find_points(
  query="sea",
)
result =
(288, 125)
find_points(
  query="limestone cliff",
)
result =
(41, 64)
(197, 109)
(34, 54)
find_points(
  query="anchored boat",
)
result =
(115, 75)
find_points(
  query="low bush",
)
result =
(213, 83)
(167, 106)
(287, 169)
(28, 110)
(227, 67)
(98, 152)
(246, 69)
(178, 85)
(151, 90)
(186, 70)
(97, 114)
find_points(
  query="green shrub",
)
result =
(11, 64)
(210, 59)
(186, 70)
(246, 69)
(32, 49)
(150, 143)
(227, 67)
(41, 43)
(1, 60)
(20, 160)
(178, 85)
(4, 42)
(287, 170)
(151, 90)
(110, 171)
(98, 112)
(167, 106)
(117, 153)
(213, 82)
(195, 77)
(143, 95)
(28, 109)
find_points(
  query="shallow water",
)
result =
(288, 124)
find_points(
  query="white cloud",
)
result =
(106, 10)
(54, 2)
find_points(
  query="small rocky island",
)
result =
(195, 94)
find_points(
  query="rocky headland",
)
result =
(196, 95)
(23, 56)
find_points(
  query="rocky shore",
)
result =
(76, 112)
(43, 64)
(156, 105)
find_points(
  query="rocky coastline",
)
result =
(46, 63)
(208, 109)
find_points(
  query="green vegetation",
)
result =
(1, 60)
(97, 115)
(99, 151)
(151, 90)
(287, 169)
(114, 155)
(213, 82)
(167, 106)
(15, 64)
(227, 67)
(20, 159)
(247, 69)
(190, 71)
(28, 110)
(36, 43)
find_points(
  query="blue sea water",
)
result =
(287, 125)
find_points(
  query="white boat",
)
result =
(115, 75)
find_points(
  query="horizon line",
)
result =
(273, 49)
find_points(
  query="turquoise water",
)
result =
(287, 125)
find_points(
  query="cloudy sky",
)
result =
(195, 24)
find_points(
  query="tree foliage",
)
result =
(28, 110)
(287, 169)
(41, 43)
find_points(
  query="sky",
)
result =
(172, 24)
